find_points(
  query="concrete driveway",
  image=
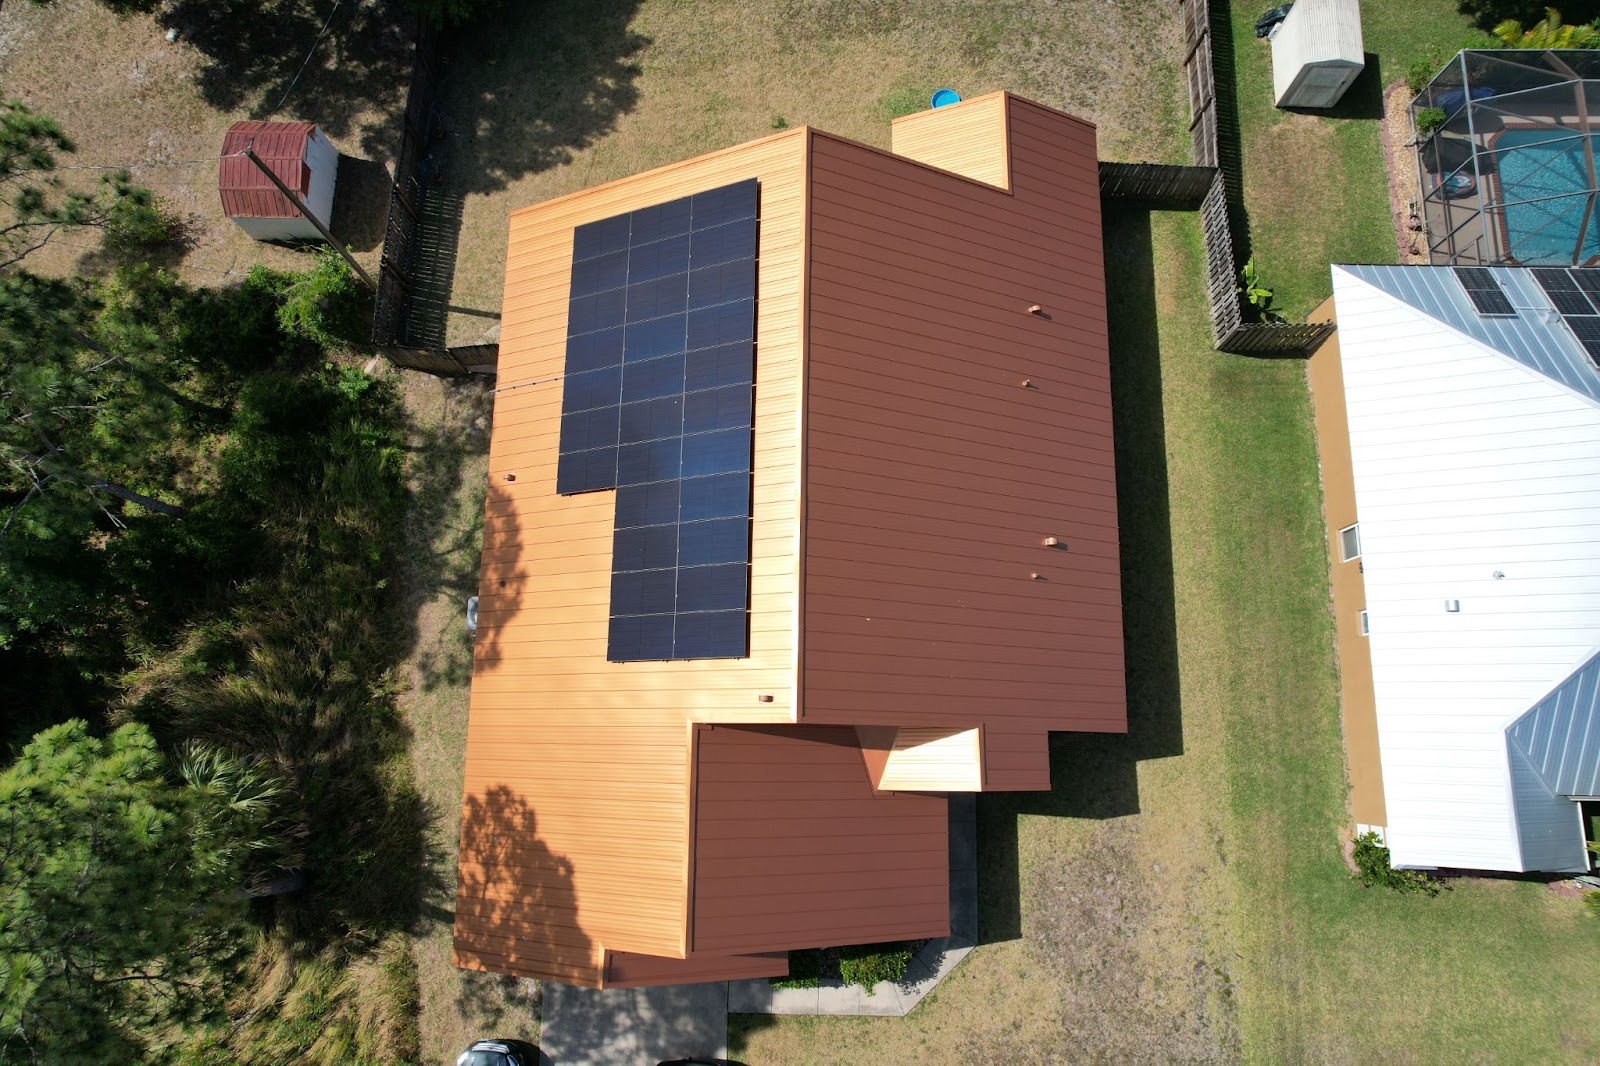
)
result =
(633, 1026)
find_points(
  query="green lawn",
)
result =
(1314, 186)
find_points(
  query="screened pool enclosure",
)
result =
(1510, 176)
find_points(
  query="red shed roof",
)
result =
(248, 193)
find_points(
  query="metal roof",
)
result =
(1533, 336)
(1561, 734)
(248, 193)
(1475, 449)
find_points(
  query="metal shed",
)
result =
(1317, 53)
(302, 158)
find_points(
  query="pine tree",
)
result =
(119, 890)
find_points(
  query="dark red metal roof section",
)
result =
(248, 193)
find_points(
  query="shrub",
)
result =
(867, 964)
(862, 964)
(135, 221)
(1422, 70)
(326, 304)
(806, 969)
(1372, 862)
(1428, 120)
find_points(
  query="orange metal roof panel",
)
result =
(586, 763)
(248, 193)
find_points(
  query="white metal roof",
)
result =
(1467, 463)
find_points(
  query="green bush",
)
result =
(1591, 903)
(1372, 862)
(327, 305)
(867, 964)
(135, 221)
(807, 969)
(1428, 120)
(862, 964)
(1422, 70)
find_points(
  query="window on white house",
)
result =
(1350, 541)
(1366, 627)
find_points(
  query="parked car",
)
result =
(499, 1053)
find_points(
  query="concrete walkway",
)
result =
(633, 1026)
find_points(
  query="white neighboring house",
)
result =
(1475, 456)
(301, 156)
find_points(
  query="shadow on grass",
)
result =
(444, 535)
(525, 89)
(254, 51)
(1095, 775)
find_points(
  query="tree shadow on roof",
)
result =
(1096, 775)
(526, 89)
(516, 907)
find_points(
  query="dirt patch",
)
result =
(1127, 996)
(572, 93)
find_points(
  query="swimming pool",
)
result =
(1543, 163)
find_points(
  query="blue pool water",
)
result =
(1546, 163)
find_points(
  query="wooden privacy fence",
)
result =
(391, 317)
(1177, 187)
(1229, 330)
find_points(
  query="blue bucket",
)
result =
(945, 97)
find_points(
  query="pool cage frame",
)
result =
(1462, 200)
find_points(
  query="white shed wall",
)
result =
(1465, 462)
(323, 158)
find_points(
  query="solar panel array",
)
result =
(658, 404)
(1575, 293)
(1484, 291)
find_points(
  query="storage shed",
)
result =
(1316, 53)
(302, 158)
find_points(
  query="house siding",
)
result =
(1357, 703)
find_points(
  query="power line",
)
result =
(313, 51)
(151, 163)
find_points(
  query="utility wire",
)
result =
(309, 54)
(152, 163)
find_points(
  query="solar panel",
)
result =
(1587, 330)
(1484, 291)
(657, 404)
(1587, 279)
(1564, 293)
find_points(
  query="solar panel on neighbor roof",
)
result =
(657, 403)
(1587, 279)
(1587, 330)
(1484, 291)
(1563, 291)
